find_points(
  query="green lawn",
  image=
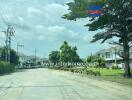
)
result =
(114, 75)
(109, 72)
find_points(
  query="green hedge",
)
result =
(6, 67)
(78, 70)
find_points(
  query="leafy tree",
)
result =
(14, 59)
(101, 61)
(90, 59)
(97, 59)
(65, 52)
(116, 21)
(68, 53)
(74, 56)
(54, 56)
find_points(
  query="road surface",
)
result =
(44, 84)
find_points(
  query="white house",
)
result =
(112, 56)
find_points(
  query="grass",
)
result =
(109, 72)
(118, 79)
(114, 75)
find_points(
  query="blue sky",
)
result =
(38, 25)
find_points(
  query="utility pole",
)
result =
(9, 33)
(19, 46)
(35, 56)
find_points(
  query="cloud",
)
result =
(33, 12)
(56, 33)
(56, 29)
(38, 24)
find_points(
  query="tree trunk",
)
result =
(126, 59)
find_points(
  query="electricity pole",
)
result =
(35, 56)
(19, 46)
(9, 33)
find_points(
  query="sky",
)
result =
(38, 25)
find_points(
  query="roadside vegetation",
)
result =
(115, 22)
(95, 66)
(8, 67)
(114, 75)
(78, 70)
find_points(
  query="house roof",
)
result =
(117, 48)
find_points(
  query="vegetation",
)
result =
(6, 67)
(14, 59)
(115, 21)
(114, 75)
(117, 79)
(54, 56)
(108, 72)
(78, 70)
(66, 54)
(97, 61)
(92, 71)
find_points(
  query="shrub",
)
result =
(79, 70)
(6, 67)
(114, 66)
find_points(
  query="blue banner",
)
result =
(95, 7)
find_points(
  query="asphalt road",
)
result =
(44, 84)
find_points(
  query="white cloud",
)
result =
(55, 8)
(38, 24)
(56, 29)
(21, 19)
(32, 11)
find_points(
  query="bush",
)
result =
(92, 72)
(114, 66)
(78, 70)
(6, 67)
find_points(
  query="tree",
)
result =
(74, 56)
(14, 59)
(90, 59)
(68, 53)
(97, 59)
(65, 52)
(101, 61)
(116, 21)
(54, 56)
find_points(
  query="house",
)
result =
(30, 61)
(112, 56)
(27, 60)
